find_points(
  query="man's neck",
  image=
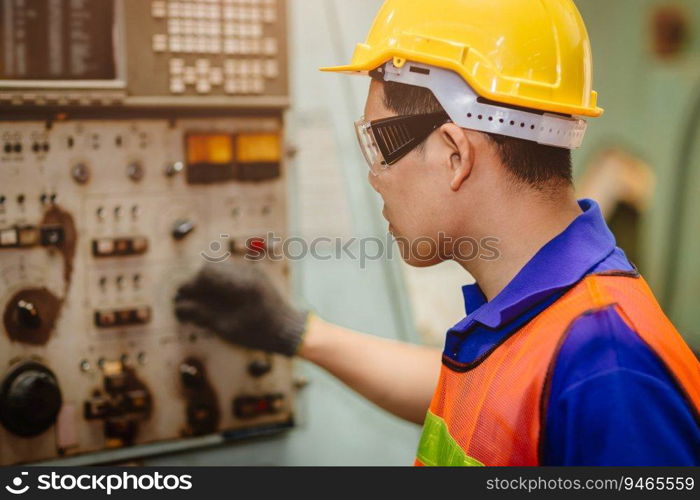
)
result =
(522, 228)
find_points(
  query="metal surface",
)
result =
(103, 214)
(109, 204)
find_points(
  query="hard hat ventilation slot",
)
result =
(421, 71)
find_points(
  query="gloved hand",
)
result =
(237, 301)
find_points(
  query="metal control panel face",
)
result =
(143, 53)
(100, 222)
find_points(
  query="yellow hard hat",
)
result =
(529, 53)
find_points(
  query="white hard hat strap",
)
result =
(462, 104)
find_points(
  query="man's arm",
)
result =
(237, 301)
(397, 376)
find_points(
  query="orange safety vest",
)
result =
(491, 412)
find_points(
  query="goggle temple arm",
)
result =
(397, 136)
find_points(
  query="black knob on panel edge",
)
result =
(30, 399)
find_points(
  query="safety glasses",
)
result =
(384, 142)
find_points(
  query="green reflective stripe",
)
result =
(438, 448)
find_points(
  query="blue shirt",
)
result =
(612, 401)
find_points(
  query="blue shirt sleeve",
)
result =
(613, 402)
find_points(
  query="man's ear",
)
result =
(461, 151)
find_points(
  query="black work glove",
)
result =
(237, 301)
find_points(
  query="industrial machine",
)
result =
(138, 140)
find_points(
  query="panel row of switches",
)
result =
(119, 247)
(29, 236)
(123, 317)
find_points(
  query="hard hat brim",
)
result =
(350, 69)
(365, 67)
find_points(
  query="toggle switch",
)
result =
(174, 168)
(182, 228)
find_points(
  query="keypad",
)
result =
(218, 45)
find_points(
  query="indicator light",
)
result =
(258, 148)
(211, 149)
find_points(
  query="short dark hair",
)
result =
(537, 165)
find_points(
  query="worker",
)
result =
(564, 356)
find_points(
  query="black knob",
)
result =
(30, 399)
(192, 374)
(182, 228)
(27, 315)
(30, 315)
(259, 367)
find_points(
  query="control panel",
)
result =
(143, 53)
(138, 140)
(100, 222)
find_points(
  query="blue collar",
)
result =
(558, 265)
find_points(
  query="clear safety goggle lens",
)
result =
(368, 145)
